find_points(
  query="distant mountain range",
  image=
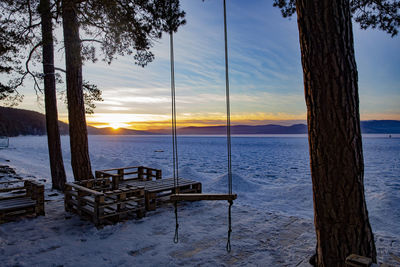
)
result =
(370, 127)
(14, 122)
(246, 129)
(381, 126)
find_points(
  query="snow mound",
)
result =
(100, 161)
(116, 163)
(133, 163)
(154, 165)
(188, 173)
(239, 184)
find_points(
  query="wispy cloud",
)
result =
(265, 70)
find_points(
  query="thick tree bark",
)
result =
(80, 160)
(337, 169)
(58, 177)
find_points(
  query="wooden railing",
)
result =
(118, 175)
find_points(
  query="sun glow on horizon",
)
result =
(154, 122)
(124, 120)
(149, 122)
(117, 125)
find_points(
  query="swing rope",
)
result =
(228, 133)
(174, 135)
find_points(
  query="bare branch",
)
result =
(36, 83)
(92, 40)
(59, 69)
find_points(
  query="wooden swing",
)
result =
(201, 196)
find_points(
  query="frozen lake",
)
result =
(272, 215)
(274, 168)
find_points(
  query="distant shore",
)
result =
(15, 122)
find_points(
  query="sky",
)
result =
(266, 82)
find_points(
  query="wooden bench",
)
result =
(97, 200)
(21, 197)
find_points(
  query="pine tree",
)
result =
(11, 41)
(120, 27)
(58, 176)
(24, 30)
(116, 27)
(29, 27)
(331, 91)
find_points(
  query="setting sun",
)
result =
(117, 125)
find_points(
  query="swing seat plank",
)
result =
(197, 197)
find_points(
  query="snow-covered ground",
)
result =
(272, 217)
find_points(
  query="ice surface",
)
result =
(272, 217)
(239, 184)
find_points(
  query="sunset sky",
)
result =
(265, 71)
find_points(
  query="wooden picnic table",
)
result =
(162, 188)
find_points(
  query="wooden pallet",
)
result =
(20, 200)
(160, 190)
(101, 204)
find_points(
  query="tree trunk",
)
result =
(58, 177)
(337, 169)
(80, 160)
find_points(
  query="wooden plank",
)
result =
(12, 182)
(15, 200)
(96, 181)
(87, 208)
(118, 213)
(197, 197)
(106, 175)
(167, 183)
(85, 189)
(115, 169)
(15, 205)
(163, 184)
(165, 188)
(156, 183)
(358, 261)
(2, 190)
(88, 199)
(2, 198)
(71, 193)
(129, 173)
